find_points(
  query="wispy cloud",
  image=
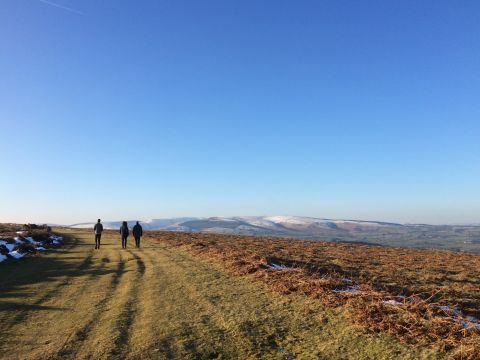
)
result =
(61, 7)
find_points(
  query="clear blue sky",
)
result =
(146, 109)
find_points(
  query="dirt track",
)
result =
(156, 302)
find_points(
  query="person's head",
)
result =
(124, 223)
(138, 222)
(98, 220)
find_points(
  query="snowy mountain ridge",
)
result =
(245, 222)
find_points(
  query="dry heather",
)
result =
(424, 297)
(9, 231)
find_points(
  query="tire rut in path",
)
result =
(106, 335)
(74, 342)
(128, 313)
(172, 296)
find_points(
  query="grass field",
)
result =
(164, 302)
(422, 297)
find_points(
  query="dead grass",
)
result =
(436, 289)
(9, 231)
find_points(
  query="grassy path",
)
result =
(162, 303)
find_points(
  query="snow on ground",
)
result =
(392, 302)
(9, 246)
(453, 313)
(354, 289)
(294, 220)
(273, 266)
(15, 254)
(24, 245)
(470, 321)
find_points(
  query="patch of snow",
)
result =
(219, 218)
(471, 321)
(9, 246)
(355, 289)
(392, 302)
(38, 245)
(273, 266)
(15, 254)
(454, 311)
(33, 242)
(294, 220)
(348, 281)
(55, 239)
(465, 321)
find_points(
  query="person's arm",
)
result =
(95, 227)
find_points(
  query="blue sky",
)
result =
(339, 109)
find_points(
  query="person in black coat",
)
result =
(98, 228)
(124, 233)
(137, 233)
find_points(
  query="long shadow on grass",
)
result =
(17, 278)
(13, 306)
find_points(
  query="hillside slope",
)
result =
(161, 302)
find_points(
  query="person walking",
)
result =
(124, 233)
(137, 233)
(98, 228)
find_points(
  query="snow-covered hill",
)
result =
(261, 225)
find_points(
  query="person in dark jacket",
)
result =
(137, 233)
(124, 233)
(98, 228)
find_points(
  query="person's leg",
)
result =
(95, 241)
(99, 238)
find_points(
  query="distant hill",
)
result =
(283, 225)
(453, 237)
